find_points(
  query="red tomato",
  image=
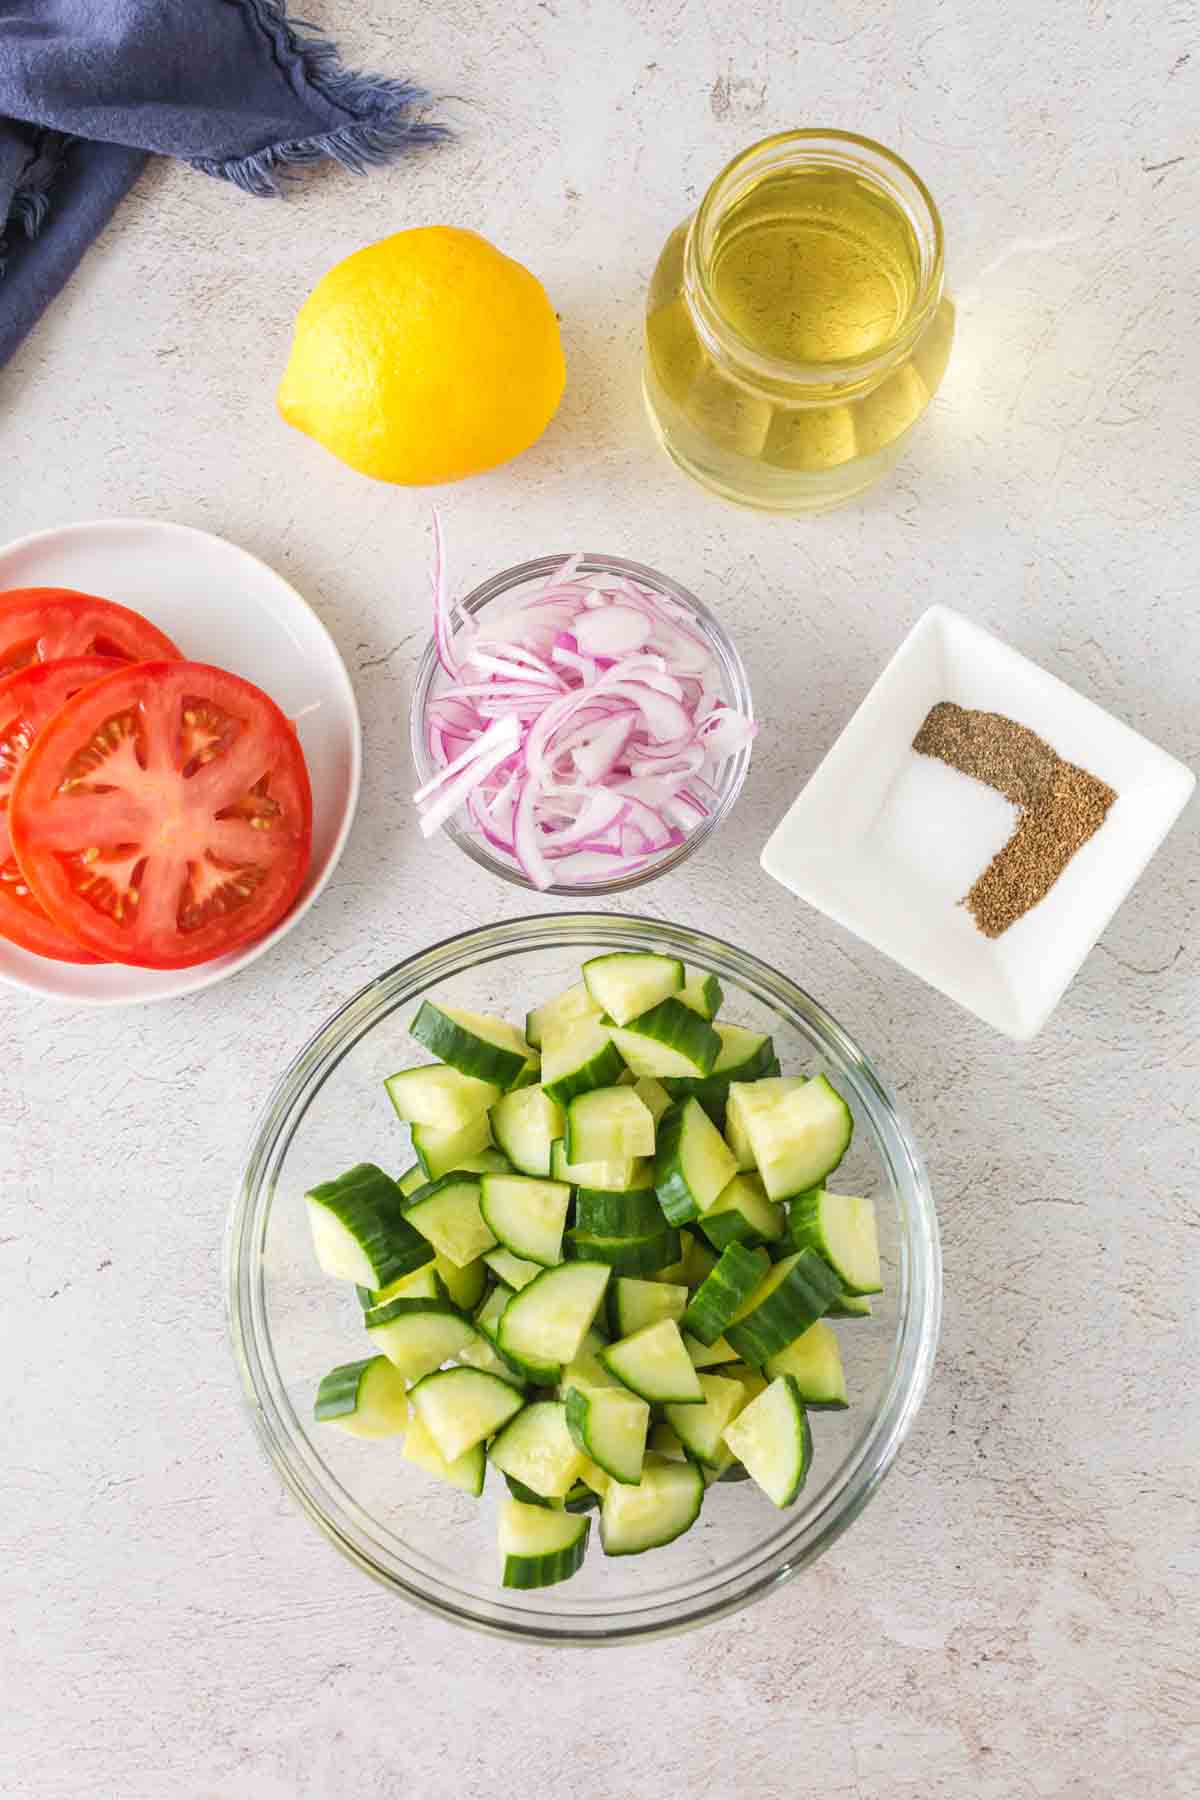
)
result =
(27, 700)
(43, 624)
(163, 816)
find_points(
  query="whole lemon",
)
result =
(425, 357)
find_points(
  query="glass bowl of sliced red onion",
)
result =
(580, 723)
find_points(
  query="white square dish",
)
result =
(887, 842)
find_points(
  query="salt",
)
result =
(941, 825)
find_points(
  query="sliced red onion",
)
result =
(582, 731)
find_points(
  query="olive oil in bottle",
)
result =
(797, 328)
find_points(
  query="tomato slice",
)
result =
(27, 700)
(163, 815)
(43, 624)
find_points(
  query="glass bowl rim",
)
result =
(728, 658)
(920, 1279)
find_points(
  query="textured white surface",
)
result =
(1014, 1618)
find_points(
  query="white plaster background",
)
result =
(1015, 1617)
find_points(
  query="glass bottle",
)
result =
(797, 326)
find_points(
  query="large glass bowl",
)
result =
(435, 1546)
(513, 588)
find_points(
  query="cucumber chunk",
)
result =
(446, 1152)
(841, 1227)
(557, 1014)
(481, 1353)
(797, 1137)
(585, 1368)
(626, 984)
(652, 1094)
(489, 1314)
(447, 1214)
(668, 1040)
(851, 1306)
(654, 1363)
(424, 1283)
(703, 994)
(539, 1546)
(709, 1356)
(525, 1125)
(743, 1214)
(634, 1304)
(515, 1272)
(476, 1044)
(610, 1426)
(464, 1286)
(359, 1230)
(466, 1473)
(366, 1398)
(544, 1325)
(693, 1163)
(579, 1058)
(721, 1295)
(814, 1361)
(665, 1503)
(634, 1213)
(418, 1335)
(701, 1429)
(413, 1178)
(744, 1056)
(526, 1215)
(438, 1096)
(461, 1407)
(748, 1097)
(793, 1296)
(609, 1125)
(771, 1439)
(609, 1177)
(538, 1449)
(640, 1255)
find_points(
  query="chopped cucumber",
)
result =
(842, 1228)
(633, 1304)
(515, 1272)
(544, 1325)
(476, 1044)
(721, 1295)
(626, 984)
(554, 1017)
(746, 1097)
(581, 1498)
(438, 1096)
(366, 1398)
(692, 1164)
(609, 1125)
(665, 1503)
(461, 1407)
(640, 1255)
(814, 1361)
(743, 1214)
(424, 1283)
(414, 1177)
(359, 1230)
(703, 994)
(654, 1363)
(664, 1441)
(611, 1177)
(446, 1152)
(610, 1425)
(465, 1286)
(696, 1261)
(585, 1368)
(481, 1353)
(797, 1137)
(578, 1058)
(418, 1335)
(653, 1095)
(447, 1213)
(538, 1545)
(709, 1356)
(466, 1473)
(538, 1449)
(489, 1314)
(793, 1296)
(670, 1039)
(851, 1306)
(744, 1056)
(634, 1213)
(771, 1439)
(701, 1429)
(526, 1215)
(525, 1125)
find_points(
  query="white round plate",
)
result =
(220, 605)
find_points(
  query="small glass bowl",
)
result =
(736, 692)
(435, 1546)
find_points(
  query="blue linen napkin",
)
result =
(88, 88)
